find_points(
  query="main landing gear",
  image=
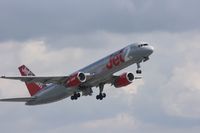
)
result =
(138, 71)
(75, 96)
(101, 95)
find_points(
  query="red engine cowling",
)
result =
(76, 79)
(124, 80)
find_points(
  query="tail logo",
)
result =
(26, 71)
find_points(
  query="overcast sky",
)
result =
(58, 37)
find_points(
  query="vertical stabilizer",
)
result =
(33, 88)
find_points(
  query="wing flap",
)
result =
(23, 99)
(39, 79)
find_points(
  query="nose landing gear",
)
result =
(138, 71)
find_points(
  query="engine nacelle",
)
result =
(76, 79)
(124, 80)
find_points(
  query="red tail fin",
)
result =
(33, 88)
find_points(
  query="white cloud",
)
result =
(182, 93)
(119, 123)
(37, 53)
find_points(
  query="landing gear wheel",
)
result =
(101, 98)
(139, 71)
(75, 96)
(103, 95)
(98, 97)
(72, 97)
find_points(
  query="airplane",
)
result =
(48, 89)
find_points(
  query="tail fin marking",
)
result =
(33, 88)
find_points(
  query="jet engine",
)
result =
(124, 80)
(76, 79)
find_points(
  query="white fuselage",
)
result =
(101, 70)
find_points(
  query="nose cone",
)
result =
(150, 49)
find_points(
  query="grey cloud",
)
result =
(22, 20)
(88, 24)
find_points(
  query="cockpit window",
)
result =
(141, 45)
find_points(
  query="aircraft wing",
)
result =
(23, 99)
(39, 79)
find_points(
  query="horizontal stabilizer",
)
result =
(23, 99)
